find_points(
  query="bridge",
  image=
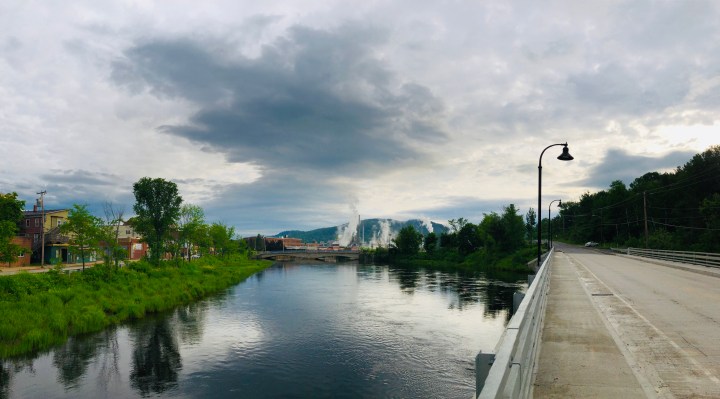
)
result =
(324, 256)
(611, 325)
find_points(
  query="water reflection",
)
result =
(493, 289)
(357, 331)
(5, 375)
(156, 359)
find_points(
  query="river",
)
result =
(291, 331)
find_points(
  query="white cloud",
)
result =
(441, 110)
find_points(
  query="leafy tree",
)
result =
(469, 239)
(11, 213)
(530, 222)
(222, 239)
(408, 241)
(157, 208)
(513, 236)
(192, 218)
(84, 230)
(431, 241)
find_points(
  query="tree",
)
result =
(222, 239)
(431, 242)
(530, 222)
(513, 230)
(83, 229)
(11, 213)
(111, 231)
(408, 241)
(192, 218)
(468, 239)
(157, 208)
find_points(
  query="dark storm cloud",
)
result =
(316, 100)
(619, 165)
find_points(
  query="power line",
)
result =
(684, 227)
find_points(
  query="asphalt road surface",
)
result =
(665, 320)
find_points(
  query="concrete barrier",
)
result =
(509, 372)
(694, 258)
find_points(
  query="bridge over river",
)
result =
(613, 326)
(324, 256)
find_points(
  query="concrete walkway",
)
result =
(578, 356)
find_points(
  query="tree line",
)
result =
(161, 218)
(677, 210)
(497, 240)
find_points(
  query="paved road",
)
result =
(665, 320)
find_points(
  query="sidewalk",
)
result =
(7, 271)
(578, 357)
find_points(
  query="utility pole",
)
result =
(42, 227)
(645, 212)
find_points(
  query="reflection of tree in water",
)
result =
(407, 278)
(5, 376)
(108, 359)
(8, 368)
(156, 358)
(370, 272)
(191, 320)
(494, 289)
(72, 358)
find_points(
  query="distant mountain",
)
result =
(370, 230)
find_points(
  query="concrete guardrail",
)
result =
(509, 372)
(694, 258)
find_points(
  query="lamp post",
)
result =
(550, 222)
(565, 156)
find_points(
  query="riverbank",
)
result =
(42, 310)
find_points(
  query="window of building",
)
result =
(60, 222)
(27, 222)
(21, 254)
(37, 222)
(36, 237)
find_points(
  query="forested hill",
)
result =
(370, 228)
(682, 209)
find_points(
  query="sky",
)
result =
(278, 115)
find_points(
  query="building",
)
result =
(23, 259)
(37, 223)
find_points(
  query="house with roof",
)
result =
(43, 227)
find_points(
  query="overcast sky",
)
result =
(277, 115)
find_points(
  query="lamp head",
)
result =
(565, 156)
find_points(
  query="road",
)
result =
(666, 321)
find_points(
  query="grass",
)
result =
(41, 310)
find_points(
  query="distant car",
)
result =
(591, 244)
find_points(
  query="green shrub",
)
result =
(46, 308)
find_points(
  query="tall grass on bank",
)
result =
(41, 310)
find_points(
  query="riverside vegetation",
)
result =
(498, 242)
(42, 310)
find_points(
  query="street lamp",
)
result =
(550, 222)
(565, 156)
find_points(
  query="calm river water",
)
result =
(292, 331)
